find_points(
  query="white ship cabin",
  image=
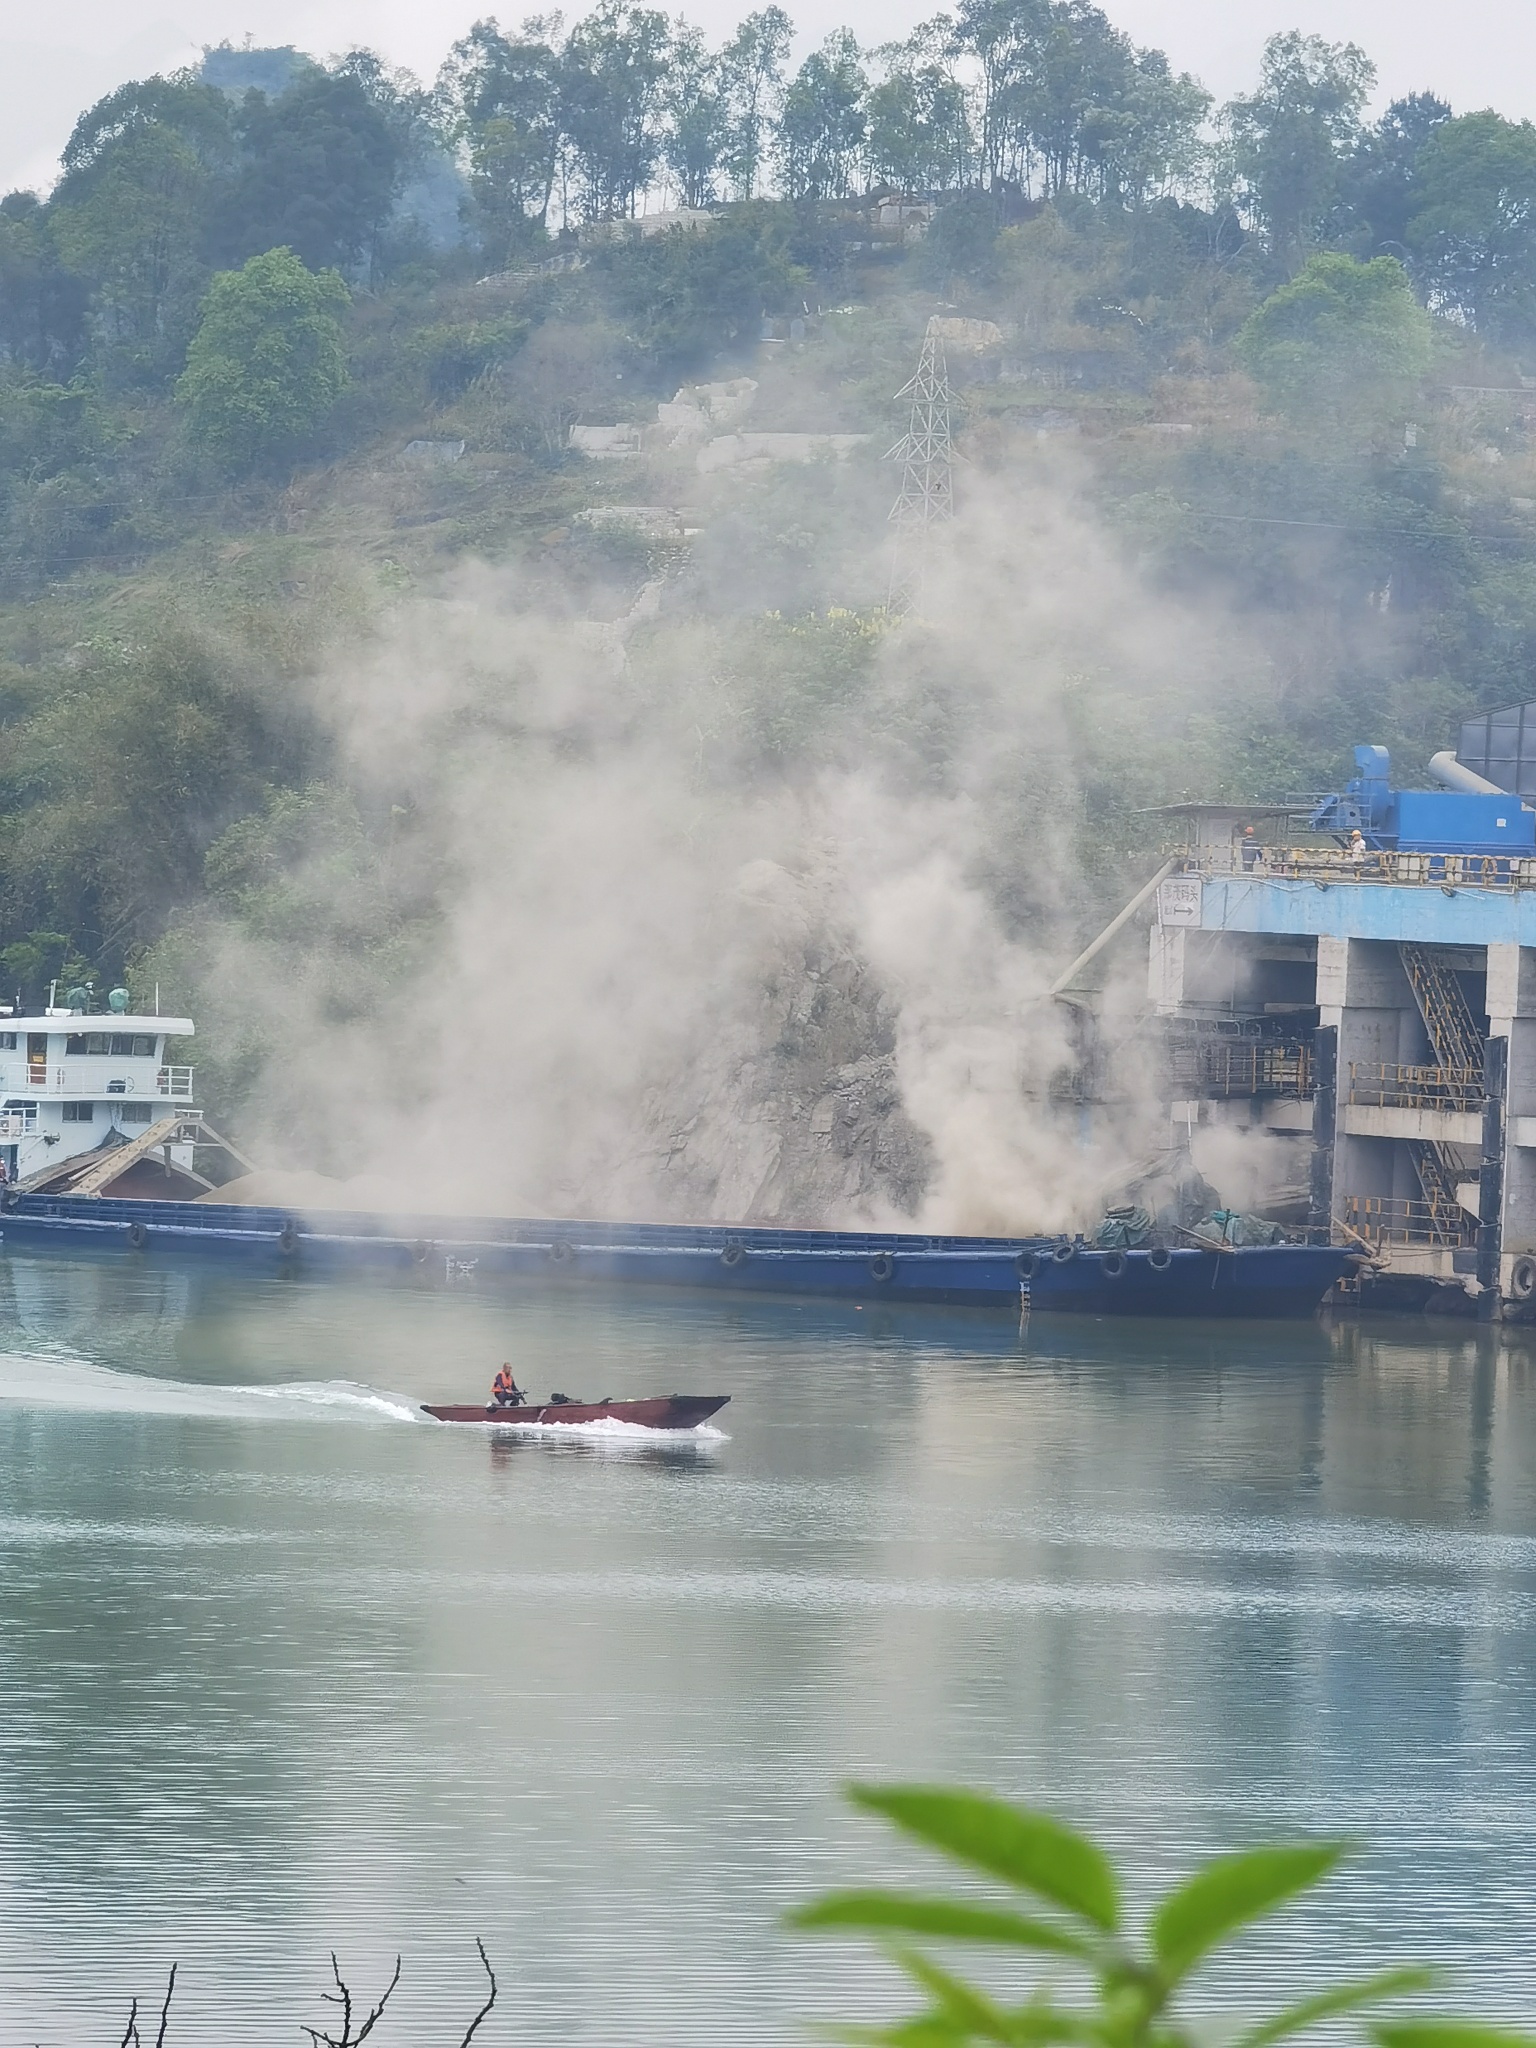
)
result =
(90, 1104)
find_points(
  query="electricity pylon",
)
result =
(927, 495)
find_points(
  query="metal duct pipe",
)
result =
(1116, 924)
(1450, 774)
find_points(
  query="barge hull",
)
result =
(840, 1265)
(1271, 1281)
(865, 1267)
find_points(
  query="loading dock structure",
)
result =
(1373, 1008)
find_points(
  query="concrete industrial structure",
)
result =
(1366, 997)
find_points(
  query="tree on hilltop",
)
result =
(1473, 230)
(822, 129)
(612, 76)
(321, 166)
(1342, 341)
(267, 362)
(1287, 142)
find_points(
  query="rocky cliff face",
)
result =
(793, 1114)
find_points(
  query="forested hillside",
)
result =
(360, 437)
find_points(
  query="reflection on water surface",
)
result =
(285, 1665)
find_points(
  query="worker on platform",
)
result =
(505, 1392)
(1357, 849)
(1253, 853)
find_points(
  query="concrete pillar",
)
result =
(1165, 968)
(1512, 1017)
(1363, 992)
(1490, 1202)
(1332, 980)
(1325, 1117)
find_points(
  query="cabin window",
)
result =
(7, 1041)
(79, 1112)
(134, 1113)
(136, 1045)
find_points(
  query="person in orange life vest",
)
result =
(505, 1392)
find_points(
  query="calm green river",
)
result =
(285, 1667)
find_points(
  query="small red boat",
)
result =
(666, 1411)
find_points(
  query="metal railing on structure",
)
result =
(1382, 1219)
(175, 1082)
(1223, 1066)
(1338, 864)
(1457, 1089)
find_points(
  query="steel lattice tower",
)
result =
(927, 496)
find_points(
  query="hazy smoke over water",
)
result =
(669, 982)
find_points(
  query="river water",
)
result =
(286, 1668)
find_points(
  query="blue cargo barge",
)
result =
(1244, 1280)
(891, 1266)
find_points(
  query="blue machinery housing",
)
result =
(861, 1266)
(1456, 821)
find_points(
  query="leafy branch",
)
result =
(1127, 1983)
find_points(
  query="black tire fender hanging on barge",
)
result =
(1064, 1253)
(1027, 1265)
(288, 1236)
(732, 1252)
(137, 1236)
(1114, 1265)
(882, 1266)
(1159, 1258)
(561, 1252)
(1522, 1279)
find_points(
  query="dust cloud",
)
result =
(669, 978)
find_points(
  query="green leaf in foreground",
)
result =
(943, 1919)
(1432, 2033)
(1327, 2005)
(1125, 1990)
(964, 2005)
(1022, 1847)
(1230, 1893)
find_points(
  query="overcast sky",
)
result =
(55, 61)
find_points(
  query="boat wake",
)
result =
(63, 1380)
(611, 1429)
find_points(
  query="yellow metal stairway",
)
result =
(1439, 1173)
(1458, 1045)
(1447, 1016)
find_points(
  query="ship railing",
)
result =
(1378, 1086)
(68, 1082)
(1384, 1220)
(1337, 864)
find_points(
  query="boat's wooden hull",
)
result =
(666, 1411)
